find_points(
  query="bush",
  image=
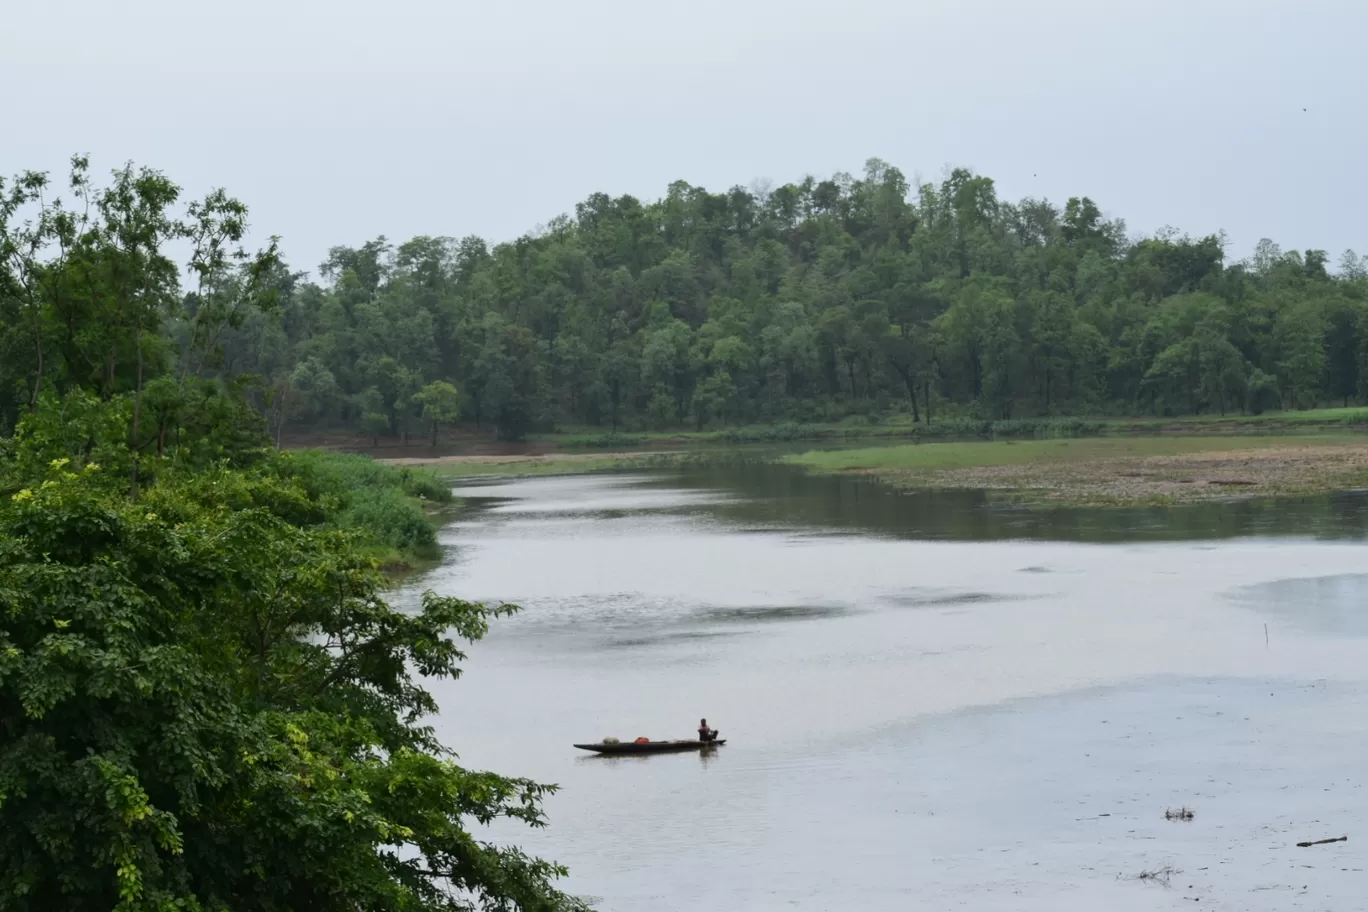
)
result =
(392, 521)
(378, 500)
(207, 707)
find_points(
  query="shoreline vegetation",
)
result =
(1111, 463)
(474, 447)
(397, 509)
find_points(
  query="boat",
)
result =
(649, 747)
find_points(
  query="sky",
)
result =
(337, 121)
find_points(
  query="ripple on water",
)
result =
(932, 598)
(1324, 604)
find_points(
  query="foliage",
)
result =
(205, 701)
(207, 706)
(441, 403)
(379, 502)
(819, 300)
(810, 302)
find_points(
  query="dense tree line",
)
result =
(808, 301)
(206, 701)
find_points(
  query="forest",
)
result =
(810, 301)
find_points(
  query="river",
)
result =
(930, 702)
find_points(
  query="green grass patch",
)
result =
(577, 465)
(1350, 415)
(391, 506)
(893, 427)
(900, 426)
(944, 456)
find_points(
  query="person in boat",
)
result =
(704, 732)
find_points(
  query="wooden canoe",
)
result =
(650, 747)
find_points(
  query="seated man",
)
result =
(705, 733)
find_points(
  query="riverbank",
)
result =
(395, 509)
(902, 427)
(519, 464)
(1135, 470)
(1115, 471)
(466, 442)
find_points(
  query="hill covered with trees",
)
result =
(810, 301)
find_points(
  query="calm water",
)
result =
(930, 703)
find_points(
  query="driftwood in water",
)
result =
(1302, 845)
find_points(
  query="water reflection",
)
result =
(705, 757)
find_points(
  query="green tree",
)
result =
(714, 397)
(820, 298)
(374, 418)
(441, 403)
(206, 703)
(1299, 339)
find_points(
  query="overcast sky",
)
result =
(339, 120)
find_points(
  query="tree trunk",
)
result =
(434, 435)
(137, 416)
(38, 350)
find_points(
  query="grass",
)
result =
(533, 466)
(932, 457)
(454, 468)
(1349, 415)
(391, 506)
(901, 426)
(853, 428)
(1115, 471)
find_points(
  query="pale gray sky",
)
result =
(338, 120)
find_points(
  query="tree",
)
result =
(1299, 337)
(374, 419)
(820, 298)
(714, 397)
(441, 403)
(1261, 392)
(668, 364)
(206, 703)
